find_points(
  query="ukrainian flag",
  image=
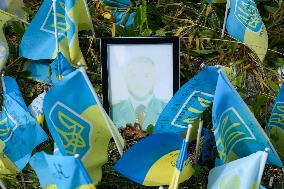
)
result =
(152, 161)
(38, 41)
(60, 172)
(76, 122)
(240, 174)
(275, 127)
(216, 1)
(120, 15)
(36, 108)
(237, 132)
(189, 102)
(4, 49)
(18, 129)
(244, 23)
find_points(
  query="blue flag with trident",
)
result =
(18, 129)
(237, 132)
(275, 127)
(189, 102)
(244, 23)
(60, 172)
(78, 123)
(39, 40)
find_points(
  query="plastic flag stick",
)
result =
(2, 185)
(262, 166)
(89, 17)
(116, 140)
(174, 183)
(198, 140)
(225, 19)
(55, 25)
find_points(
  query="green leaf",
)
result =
(204, 51)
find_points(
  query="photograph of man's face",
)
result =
(140, 83)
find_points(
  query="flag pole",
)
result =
(174, 183)
(55, 25)
(3, 83)
(90, 18)
(262, 166)
(2, 185)
(106, 119)
(198, 140)
(225, 19)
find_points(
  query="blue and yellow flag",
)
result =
(152, 161)
(76, 122)
(239, 174)
(244, 23)
(18, 129)
(60, 172)
(275, 127)
(120, 16)
(4, 49)
(216, 1)
(237, 132)
(189, 102)
(38, 41)
(36, 108)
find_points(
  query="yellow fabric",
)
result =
(89, 186)
(97, 156)
(162, 171)
(258, 42)
(6, 165)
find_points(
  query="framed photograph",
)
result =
(140, 75)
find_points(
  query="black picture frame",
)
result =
(105, 42)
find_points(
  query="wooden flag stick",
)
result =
(225, 19)
(198, 140)
(106, 119)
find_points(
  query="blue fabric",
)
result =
(208, 150)
(183, 155)
(60, 66)
(237, 132)
(62, 171)
(136, 161)
(40, 71)
(19, 130)
(189, 102)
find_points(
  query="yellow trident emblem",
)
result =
(72, 129)
(248, 14)
(73, 138)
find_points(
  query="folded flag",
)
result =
(18, 129)
(152, 160)
(242, 173)
(189, 102)
(61, 67)
(39, 70)
(38, 41)
(36, 108)
(60, 172)
(275, 127)
(237, 132)
(4, 49)
(120, 16)
(244, 23)
(76, 122)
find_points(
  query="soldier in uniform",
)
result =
(142, 106)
